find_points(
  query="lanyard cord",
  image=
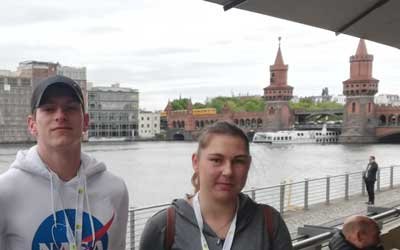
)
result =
(231, 232)
(75, 240)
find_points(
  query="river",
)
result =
(156, 172)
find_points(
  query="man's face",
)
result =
(59, 121)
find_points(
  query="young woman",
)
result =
(218, 216)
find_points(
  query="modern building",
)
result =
(387, 99)
(149, 124)
(15, 94)
(341, 99)
(113, 112)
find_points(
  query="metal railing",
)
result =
(320, 241)
(286, 196)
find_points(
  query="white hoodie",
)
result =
(34, 205)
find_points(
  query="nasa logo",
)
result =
(52, 236)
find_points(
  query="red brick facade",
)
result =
(276, 116)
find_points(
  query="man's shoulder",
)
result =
(9, 181)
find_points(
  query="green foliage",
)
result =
(307, 104)
(198, 105)
(179, 104)
(236, 104)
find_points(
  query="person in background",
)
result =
(370, 179)
(218, 216)
(54, 196)
(358, 232)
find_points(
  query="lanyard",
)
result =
(231, 233)
(75, 240)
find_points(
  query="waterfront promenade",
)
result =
(333, 214)
(325, 201)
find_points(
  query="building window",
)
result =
(353, 107)
(369, 107)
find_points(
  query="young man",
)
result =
(370, 178)
(54, 196)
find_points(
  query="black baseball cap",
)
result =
(54, 82)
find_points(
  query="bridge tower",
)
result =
(359, 119)
(277, 95)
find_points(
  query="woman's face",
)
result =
(222, 167)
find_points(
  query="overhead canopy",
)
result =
(375, 20)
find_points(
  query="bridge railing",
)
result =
(287, 196)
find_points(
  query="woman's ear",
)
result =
(195, 162)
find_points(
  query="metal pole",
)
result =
(282, 198)
(306, 194)
(363, 183)
(328, 188)
(391, 176)
(253, 194)
(346, 187)
(132, 228)
(378, 180)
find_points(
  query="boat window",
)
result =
(278, 138)
(290, 137)
(286, 138)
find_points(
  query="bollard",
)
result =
(306, 194)
(362, 184)
(253, 194)
(378, 180)
(132, 228)
(346, 187)
(328, 188)
(282, 198)
(391, 177)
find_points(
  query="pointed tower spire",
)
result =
(168, 108)
(189, 106)
(362, 48)
(279, 58)
(278, 88)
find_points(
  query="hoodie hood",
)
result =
(29, 161)
(247, 209)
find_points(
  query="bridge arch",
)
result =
(382, 120)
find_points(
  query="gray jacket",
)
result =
(250, 234)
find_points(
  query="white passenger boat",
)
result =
(297, 136)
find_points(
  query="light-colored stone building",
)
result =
(149, 124)
(15, 94)
(113, 112)
(16, 90)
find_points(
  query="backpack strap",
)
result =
(267, 211)
(170, 228)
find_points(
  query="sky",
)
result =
(182, 48)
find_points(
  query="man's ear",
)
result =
(32, 125)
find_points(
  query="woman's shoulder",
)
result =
(159, 219)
